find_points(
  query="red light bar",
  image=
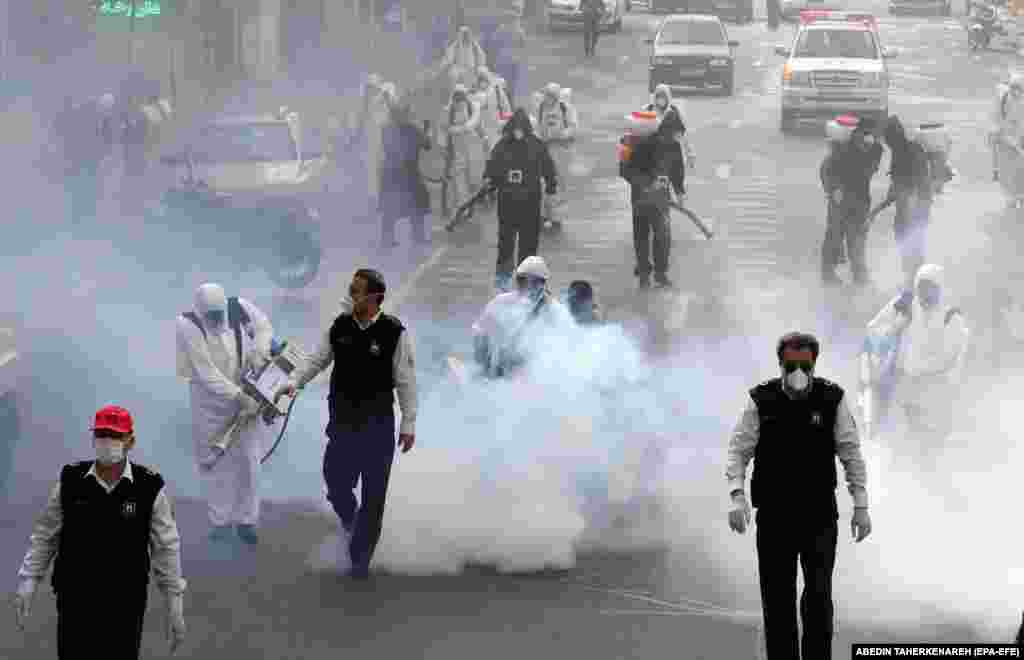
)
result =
(808, 16)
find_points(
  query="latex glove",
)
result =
(23, 600)
(175, 622)
(250, 406)
(739, 517)
(860, 525)
(406, 441)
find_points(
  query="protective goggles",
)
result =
(805, 366)
(530, 281)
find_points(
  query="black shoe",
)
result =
(248, 534)
(359, 572)
(645, 282)
(221, 534)
(663, 281)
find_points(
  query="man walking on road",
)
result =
(593, 11)
(793, 428)
(373, 358)
(108, 522)
(847, 176)
(654, 170)
(518, 164)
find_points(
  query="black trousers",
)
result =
(360, 454)
(782, 540)
(591, 30)
(847, 222)
(520, 221)
(80, 625)
(650, 219)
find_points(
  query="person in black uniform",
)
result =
(846, 176)
(374, 353)
(656, 165)
(518, 164)
(793, 428)
(109, 522)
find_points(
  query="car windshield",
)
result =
(700, 33)
(244, 143)
(837, 43)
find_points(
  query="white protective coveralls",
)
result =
(373, 113)
(462, 143)
(506, 324)
(930, 366)
(462, 58)
(1008, 137)
(210, 366)
(664, 93)
(491, 97)
(557, 123)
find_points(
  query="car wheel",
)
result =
(786, 122)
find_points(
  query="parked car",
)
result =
(835, 65)
(741, 11)
(236, 172)
(941, 7)
(566, 15)
(692, 51)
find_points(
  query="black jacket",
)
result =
(402, 191)
(850, 169)
(655, 156)
(516, 167)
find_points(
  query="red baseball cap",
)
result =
(113, 418)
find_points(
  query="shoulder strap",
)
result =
(237, 317)
(191, 316)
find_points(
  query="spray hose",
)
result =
(284, 427)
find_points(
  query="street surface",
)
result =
(694, 596)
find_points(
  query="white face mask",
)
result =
(798, 380)
(109, 452)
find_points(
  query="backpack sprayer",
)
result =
(263, 384)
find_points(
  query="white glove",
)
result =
(739, 516)
(23, 600)
(175, 622)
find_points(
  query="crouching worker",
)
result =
(503, 335)
(217, 342)
(108, 522)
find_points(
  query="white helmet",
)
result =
(533, 267)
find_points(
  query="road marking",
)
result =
(407, 286)
(685, 605)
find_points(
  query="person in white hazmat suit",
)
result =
(511, 326)
(1008, 140)
(662, 102)
(230, 438)
(491, 97)
(364, 144)
(556, 126)
(462, 58)
(464, 137)
(913, 359)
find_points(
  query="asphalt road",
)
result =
(626, 596)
